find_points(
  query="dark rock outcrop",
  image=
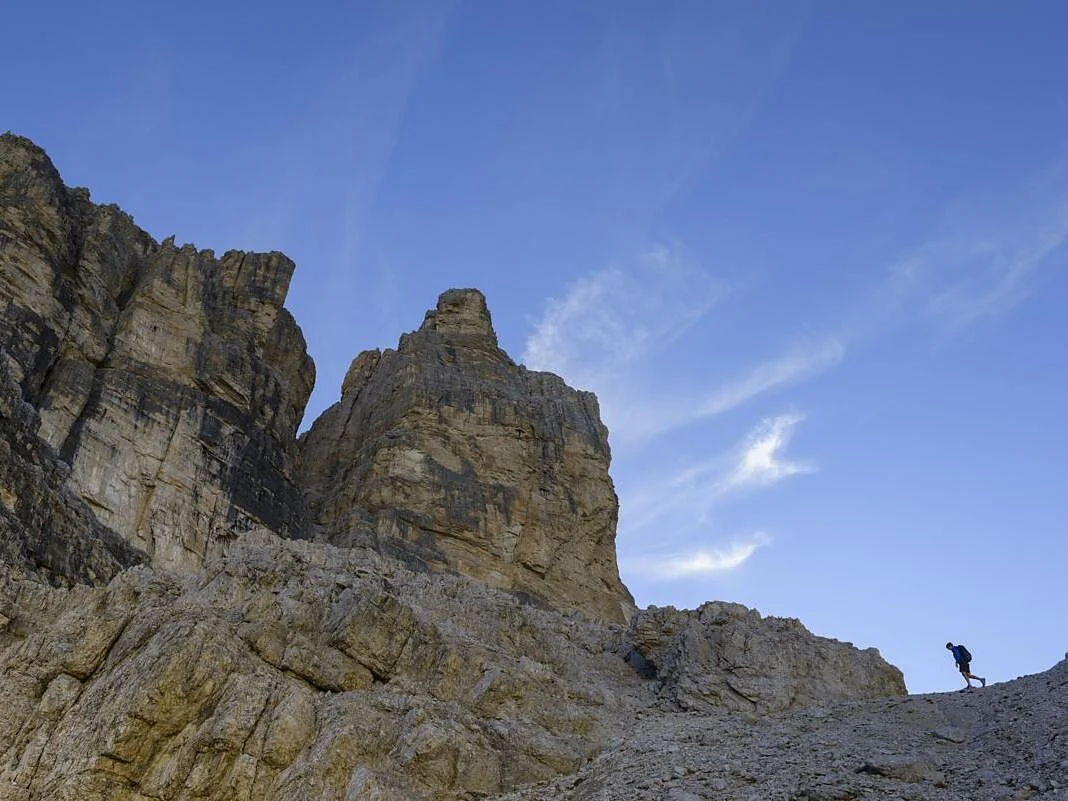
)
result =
(172, 382)
(473, 463)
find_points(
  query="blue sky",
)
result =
(810, 256)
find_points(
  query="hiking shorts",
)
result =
(965, 667)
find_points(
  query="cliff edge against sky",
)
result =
(417, 599)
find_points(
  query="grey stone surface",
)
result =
(469, 462)
(724, 654)
(1017, 739)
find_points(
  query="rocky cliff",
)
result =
(724, 655)
(453, 627)
(171, 382)
(294, 670)
(45, 530)
(473, 463)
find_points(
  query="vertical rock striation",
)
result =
(45, 531)
(172, 382)
(472, 463)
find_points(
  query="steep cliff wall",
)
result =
(166, 386)
(172, 382)
(45, 530)
(476, 464)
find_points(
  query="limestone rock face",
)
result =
(153, 392)
(292, 670)
(45, 530)
(171, 381)
(473, 463)
(725, 655)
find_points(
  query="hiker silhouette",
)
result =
(962, 656)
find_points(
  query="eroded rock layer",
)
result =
(473, 462)
(294, 669)
(726, 655)
(171, 381)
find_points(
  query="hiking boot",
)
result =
(983, 682)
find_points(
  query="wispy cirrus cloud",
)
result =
(682, 501)
(798, 363)
(965, 280)
(612, 324)
(698, 562)
(983, 260)
(762, 463)
(613, 318)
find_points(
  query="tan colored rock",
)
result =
(295, 670)
(171, 381)
(465, 460)
(45, 530)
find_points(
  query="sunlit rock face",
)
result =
(292, 670)
(470, 462)
(46, 531)
(171, 382)
(452, 627)
(725, 655)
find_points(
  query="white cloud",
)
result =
(761, 462)
(989, 279)
(682, 502)
(615, 322)
(985, 261)
(796, 364)
(613, 325)
(698, 562)
(610, 320)
(678, 509)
